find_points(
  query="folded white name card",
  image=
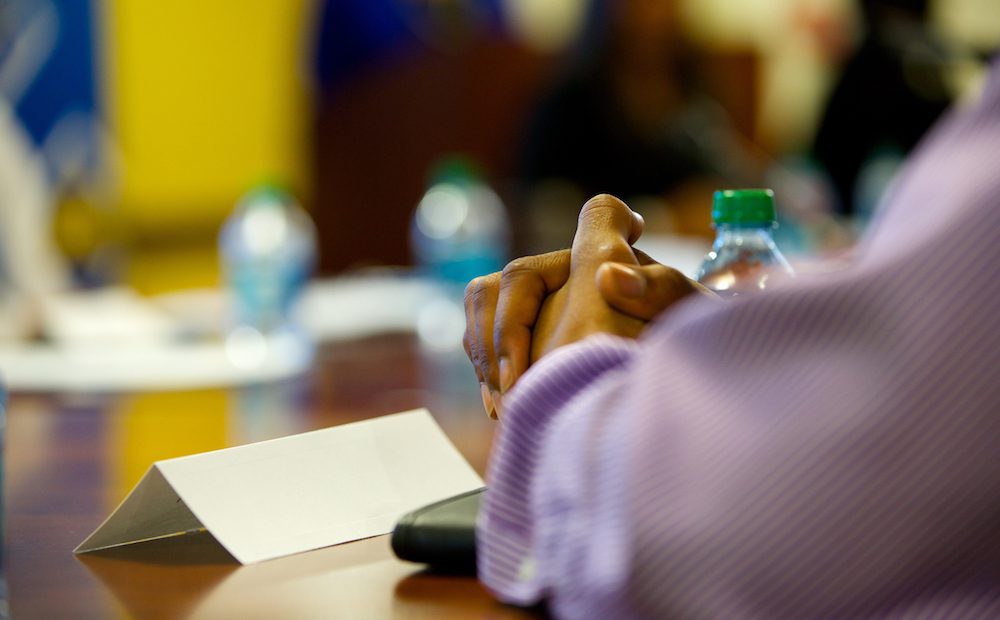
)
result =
(293, 494)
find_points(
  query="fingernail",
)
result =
(497, 404)
(487, 400)
(627, 282)
(506, 374)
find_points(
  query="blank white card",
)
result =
(297, 493)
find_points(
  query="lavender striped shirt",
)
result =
(830, 449)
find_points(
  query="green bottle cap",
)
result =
(454, 169)
(270, 190)
(743, 207)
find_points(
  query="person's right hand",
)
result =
(502, 308)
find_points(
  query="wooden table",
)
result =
(71, 458)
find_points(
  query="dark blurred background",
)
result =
(130, 129)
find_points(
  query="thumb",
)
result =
(643, 291)
(605, 231)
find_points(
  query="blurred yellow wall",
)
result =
(204, 98)
(154, 426)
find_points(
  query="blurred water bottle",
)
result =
(460, 229)
(744, 256)
(268, 249)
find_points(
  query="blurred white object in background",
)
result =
(30, 265)
(105, 317)
(114, 339)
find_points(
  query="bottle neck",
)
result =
(726, 234)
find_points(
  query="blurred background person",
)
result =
(890, 91)
(632, 115)
(50, 139)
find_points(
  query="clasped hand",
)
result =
(539, 303)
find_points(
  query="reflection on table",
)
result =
(73, 457)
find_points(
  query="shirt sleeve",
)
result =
(828, 449)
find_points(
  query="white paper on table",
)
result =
(297, 493)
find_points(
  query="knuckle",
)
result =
(473, 285)
(517, 267)
(603, 200)
(479, 290)
(530, 272)
(519, 273)
(555, 262)
(480, 298)
(602, 204)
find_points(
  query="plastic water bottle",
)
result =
(460, 228)
(744, 257)
(459, 232)
(268, 249)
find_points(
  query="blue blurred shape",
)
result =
(48, 57)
